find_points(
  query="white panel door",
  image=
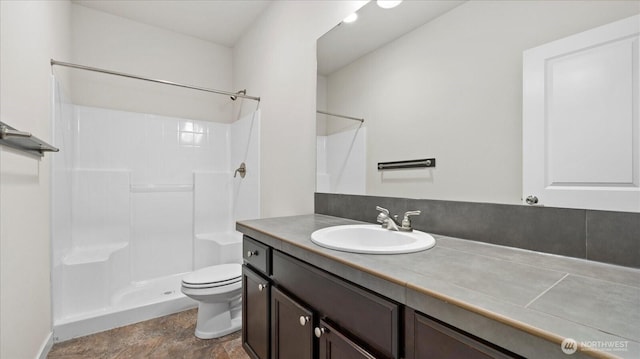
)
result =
(581, 135)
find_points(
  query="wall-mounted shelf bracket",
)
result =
(396, 165)
(23, 141)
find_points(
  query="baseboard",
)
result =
(46, 346)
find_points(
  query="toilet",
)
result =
(218, 290)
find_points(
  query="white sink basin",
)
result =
(371, 239)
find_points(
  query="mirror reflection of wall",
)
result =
(450, 89)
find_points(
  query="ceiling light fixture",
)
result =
(351, 18)
(388, 4)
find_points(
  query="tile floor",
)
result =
(169, 337)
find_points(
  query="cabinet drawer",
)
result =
(428, 338)
(256, 254)
(364, 315)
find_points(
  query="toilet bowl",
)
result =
(218, 290)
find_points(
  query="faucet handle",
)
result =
(383, 215)
(406, 222)
(412, 213)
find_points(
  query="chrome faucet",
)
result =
(387, 221)
(391, 222)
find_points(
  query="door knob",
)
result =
(531, 200)
(252, 253)
(261, 287)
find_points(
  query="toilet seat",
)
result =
(218, 291)
(214, 276)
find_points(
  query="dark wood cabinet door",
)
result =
(426, 338)
(291, 328)
(255, 313)
(334, 345)
(364, 315)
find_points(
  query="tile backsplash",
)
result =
(611, 237)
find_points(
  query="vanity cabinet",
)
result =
(293, 310)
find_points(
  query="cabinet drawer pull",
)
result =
(304, 320)
(319, 331)
(261, 287)
(252, 253)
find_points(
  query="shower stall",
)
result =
(138, 201)
(341, 155)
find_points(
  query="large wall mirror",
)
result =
(436, 79)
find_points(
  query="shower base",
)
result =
(134, 303)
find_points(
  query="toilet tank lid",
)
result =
(214, 274)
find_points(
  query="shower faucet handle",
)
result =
(242, 170)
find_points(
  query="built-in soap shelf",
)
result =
(23, 141)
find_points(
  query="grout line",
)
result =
(586, 234)
(545, 292)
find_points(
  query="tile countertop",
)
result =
(525, 301)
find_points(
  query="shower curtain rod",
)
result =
(233, 95)
(343, 116)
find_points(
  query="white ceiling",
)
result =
(375, 27)
(219, 21)
(225, 21)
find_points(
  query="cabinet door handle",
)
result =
(304, 320)
(261, 287)
(252, 253)
(319, 331)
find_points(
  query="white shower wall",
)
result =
(140, 198)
